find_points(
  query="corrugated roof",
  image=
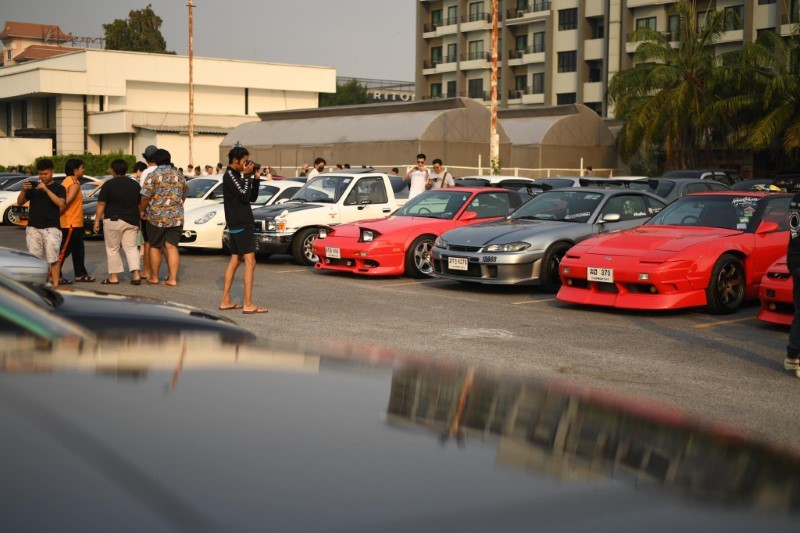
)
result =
(46, 32)
(41, 51)
(572, 125)
(207, 130)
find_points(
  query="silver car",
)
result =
(22, 266)
(527, 246)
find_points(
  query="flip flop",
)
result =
(231, 308)
(256, 311)
(151, 282)
(85, 279)
(136, 282)
(109, 282)
(64, 281)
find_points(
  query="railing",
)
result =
(515, 54)
(432, 26)
(530, 8)
(440, 61)
(476, 56)
(535, 89)
(477, 17)
(672, 36)
(480, 95)
(794, 18)
(535, 48)
(516, 94)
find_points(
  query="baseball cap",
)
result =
(149, 152)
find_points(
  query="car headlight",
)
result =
(510, 247)
(325, 232)
(205, 218)
(280, 224)
(368, 235)
(91, 217)
(440, 243)
(270, 225)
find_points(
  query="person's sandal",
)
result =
(85, 279)
(109, 282)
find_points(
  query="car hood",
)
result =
(504, 231)
(270, 212)
(389, 225)
(197, 436)
(653, 240)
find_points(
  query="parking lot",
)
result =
(728, 368)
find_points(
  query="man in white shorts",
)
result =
(48, 201)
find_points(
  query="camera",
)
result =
(34, 183)
(256, 167)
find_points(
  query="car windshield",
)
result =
(435, 204)
(326, 189)
(265, 192)
(723, 211)
(17, 186)
(659, 187)
(34, 296)
(199, 187)
(562, 205)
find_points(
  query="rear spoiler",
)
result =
(604, 182)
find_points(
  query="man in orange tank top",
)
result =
(72, 222)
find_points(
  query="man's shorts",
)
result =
(157, 236)
(44, 243)
(143, 226)
(243, 241)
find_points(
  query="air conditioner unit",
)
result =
(520, 13)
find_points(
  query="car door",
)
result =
(215, 195)
(367, 199)
(632, 209)
(769, 246)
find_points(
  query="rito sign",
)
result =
(391, 96)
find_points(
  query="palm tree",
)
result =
(667, 97)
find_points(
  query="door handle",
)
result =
(386, 210)
(361, 207)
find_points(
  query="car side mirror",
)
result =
(610, 217)
(767, 227)
(469, 215)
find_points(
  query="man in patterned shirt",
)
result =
(163, 193)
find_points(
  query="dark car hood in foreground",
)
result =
(506, 230)
(272, 211)
(196, 436)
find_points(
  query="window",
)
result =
(436, 90)
(487, 205)
(695, 187)
(765, 2)
(733, 18)
(566, 98)
(538, 42)
(452, 15)
(597, 27)
(436, 55)
(367, 191)
(451, 89)
(627, 206)
(673, 26)
(519, 82)
(8, 55)
(475, 88)
(476, 11)
(595, 71)
(648, 22)
(24, 113)
(521, 42)
(537, 83)
(702, 19)
(437, 18)
(568, 19)
(475, 51)
(452, 53)
(568, 61)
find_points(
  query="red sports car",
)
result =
(402, 242)
(777, 304)
(707, 249)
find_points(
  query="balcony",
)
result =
(594, 49)
(447, 26)
(536, 10)
(534, 53)
(533, 95)
(593, 91)
(516, 94)
(631, 44)
(475, 60)
(476, 21)
(789, 24)
(515, 57)
(484, 95)
(439, 65)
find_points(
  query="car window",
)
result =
(654, 206)
(287, 193)
(627, 206)
(217, 192)
(198, 188)
(490, 204)
(566, 205)
(367, 191)
(695, 187)
(777, 211)
(437, 203)
(722, 178)
(729, 212)
(717, 187)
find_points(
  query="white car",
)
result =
(22, 266)
(203, 226)
(8, 197)
(203, 190)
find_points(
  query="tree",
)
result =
(140, 32)
(667, 98)
(351, 93)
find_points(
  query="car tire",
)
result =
(303, 246)
(419, 262)
(7, 217)
(727, 285)
(550, 272)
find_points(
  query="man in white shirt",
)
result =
(418, 175)
(149, 156)
(319, 165)
(440, 178)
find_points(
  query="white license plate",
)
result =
(605, 275)
(458, 263)
(333, 253)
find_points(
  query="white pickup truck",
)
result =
(325, 200)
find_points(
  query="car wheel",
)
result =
(550, 274)
(7, 217)
(303, 246)
(726, 288)
(419, 261)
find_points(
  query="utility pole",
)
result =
(494, 139)
(191, 78)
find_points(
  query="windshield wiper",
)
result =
(531, 217)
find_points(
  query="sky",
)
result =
(360, 38)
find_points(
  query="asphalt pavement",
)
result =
(728, 369)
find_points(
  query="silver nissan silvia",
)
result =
(527, 246)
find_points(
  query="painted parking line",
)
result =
(415, 283)
(534, 301)
(294, 270)
(723, 322)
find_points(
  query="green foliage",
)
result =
(351, 93)
(140, 32)
(95, 165)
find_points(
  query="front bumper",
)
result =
(777, 302)
(511, 268)
(364, 258)
(197, 237)
(670, 285)
(269, 242)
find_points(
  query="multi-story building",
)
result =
(561, 51)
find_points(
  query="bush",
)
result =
(95, 165)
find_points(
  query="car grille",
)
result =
(778, 275)
(606, 287)
(456, 248)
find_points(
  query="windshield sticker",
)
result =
(741, 226)
(577, 215)
(346, 181)
(592, 196)
(639, 214)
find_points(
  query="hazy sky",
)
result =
(367, 39)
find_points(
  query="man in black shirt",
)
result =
(118, 208)
(48, 201)
(238, 191)
(792, 362)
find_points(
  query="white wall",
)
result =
(16, 151)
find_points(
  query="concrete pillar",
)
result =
(69, 124)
